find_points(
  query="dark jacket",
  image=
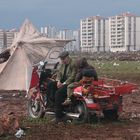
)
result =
(89, 71)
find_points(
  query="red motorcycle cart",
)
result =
(106, 97)
(101, 97)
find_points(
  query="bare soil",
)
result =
(127, 128)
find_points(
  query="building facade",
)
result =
(50, 31)
(122, 32)
(93, 34)
(53, 32)
(76, 42)
(137, 33)
(2, 40)
(66, 34)
(10, 35)
(116, 33)
(6, 38)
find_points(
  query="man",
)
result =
(85, 72)
(66, 75)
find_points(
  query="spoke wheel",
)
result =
(35, 109)
(82, 110)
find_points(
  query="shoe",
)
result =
(57, 121)
(62, 120)
(67, 102)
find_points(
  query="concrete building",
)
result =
(70, 35)
(93, 34)
(10, 35)
(50, 31)
(138, 33)
(123, 32)
(2, 40)
(6, 38)
(66, 34)
(76, 43)
(53, 32)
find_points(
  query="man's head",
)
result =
(64, 56)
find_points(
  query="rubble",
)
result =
(20, 133)
(121, 56)
(9, 123)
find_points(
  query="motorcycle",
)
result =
(37, 92)
(100, 98)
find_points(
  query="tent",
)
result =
(28, 48)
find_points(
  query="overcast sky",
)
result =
(60, 13)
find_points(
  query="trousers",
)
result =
(60, 96)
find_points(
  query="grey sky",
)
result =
(60, 13)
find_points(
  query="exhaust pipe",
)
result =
(49, 113)
(72, 115)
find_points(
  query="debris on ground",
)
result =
(9, 123)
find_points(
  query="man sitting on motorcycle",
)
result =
(66, 75)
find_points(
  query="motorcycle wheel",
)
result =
(35, 109)
(82, 110)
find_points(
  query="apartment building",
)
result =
(2, 39)
(93, 34)
(68, 35)
(10, 35)
(123, 32)
(6, 38)
(137, 33)
(53, 32)
(76, 42)
(50, 31)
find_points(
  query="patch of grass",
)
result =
(96, 125)
(117, 68)
(34, 121)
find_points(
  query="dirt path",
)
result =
(127, 128)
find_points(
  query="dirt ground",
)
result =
(127, 128)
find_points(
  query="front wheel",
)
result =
(35, 109)
(82, 110)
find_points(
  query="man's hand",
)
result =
(59, 84)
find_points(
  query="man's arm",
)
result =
(71, 78)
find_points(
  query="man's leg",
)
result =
(60, 96)
(51, 89)
(70, 90)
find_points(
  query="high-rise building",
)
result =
(123, 32)
(76, 42)
(71, 35)
(137, 33)
(2, 40)
(93, 34)
(6, 38)
(53, 32)
(10, 35)
(68, 35)
(49, 31)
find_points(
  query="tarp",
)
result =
(28, 48)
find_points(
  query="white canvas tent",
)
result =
(28, 48)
